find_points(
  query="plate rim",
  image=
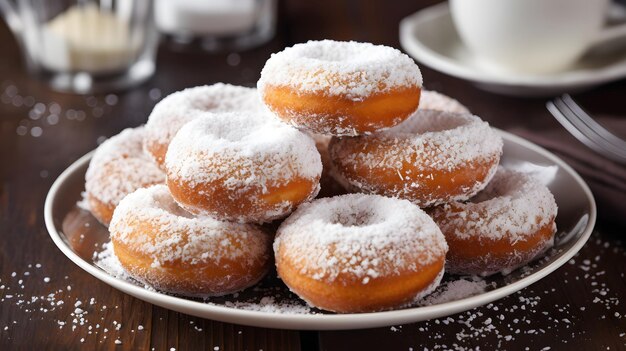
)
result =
(320, 321)
(423, 53)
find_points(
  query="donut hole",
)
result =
(323, 55)
(355, 218)
(204, 105)
(235, 127)
(232, 131)
(501, 187)
(349, 54)
(338, 56)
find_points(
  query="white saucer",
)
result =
(431, 38)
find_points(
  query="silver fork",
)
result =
(582, 126)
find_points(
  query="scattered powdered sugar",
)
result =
(535, 312)
(349, 69)
(428, 142)
(432, 100)
(271, 305)
(433, 286)
(83, 203)
(108, 261)
(175, 110)
(455, 290)
(58, 305)
(178, 236)
(513, 206)
(244, 150)
(119, 166)
(364, 236)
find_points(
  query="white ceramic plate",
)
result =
(575, 221)
(431, 38)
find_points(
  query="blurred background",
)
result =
(73, 73)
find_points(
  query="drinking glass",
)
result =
(85, 46)
(216, 25)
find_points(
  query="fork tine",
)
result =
(589, 131)
(588, 120)
(581, 131)
(581, 126)
(570, 127)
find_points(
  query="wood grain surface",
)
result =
(578, 306)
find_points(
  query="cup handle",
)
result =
(610, 34)
(614, 32)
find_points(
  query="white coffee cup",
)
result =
(532, 36)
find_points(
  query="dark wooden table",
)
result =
(577, 306)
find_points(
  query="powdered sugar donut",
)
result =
(503, 227)
(432, 100)
(118, 167)
(333, 184)
(171, 113)
(360, 253)
(160, 244)
(245, 167)
(432, 158)
(341, 88)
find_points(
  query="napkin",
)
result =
(606, 178)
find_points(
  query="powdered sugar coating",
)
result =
(429, 142)
(178, 108)
(337, 68)
(201, 237)
(456, 290)
(429, 100)
(178, 237)
(512, 206)
(246, 153)
(502, 228)
(466, 135)
(433, 100)
(359, 236)
(119, 166)
(246, 139)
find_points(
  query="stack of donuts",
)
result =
(410, 185)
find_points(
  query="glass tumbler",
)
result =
(85, 46)
(216, 25)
